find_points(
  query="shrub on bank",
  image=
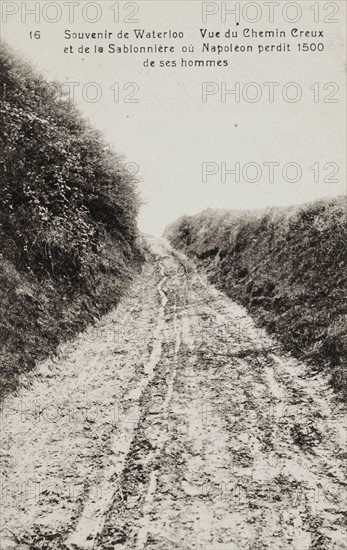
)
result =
(69, 242)
(286, 266)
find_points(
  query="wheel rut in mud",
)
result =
(204, 434)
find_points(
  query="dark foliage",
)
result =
(287, 267)
(68, 219)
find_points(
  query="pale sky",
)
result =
(170, 132)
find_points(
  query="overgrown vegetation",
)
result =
(68, 220)
(287, 267)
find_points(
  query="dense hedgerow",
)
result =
(68, 219)
(286, 266)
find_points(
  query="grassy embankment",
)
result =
(69, 243)
(287, 267)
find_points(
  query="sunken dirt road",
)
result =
(174, 423)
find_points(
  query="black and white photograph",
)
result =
(173, 282)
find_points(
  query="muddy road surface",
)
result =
(174, 423)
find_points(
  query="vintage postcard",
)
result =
(173, 228)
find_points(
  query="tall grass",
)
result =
(287, 267)
(69, 242)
